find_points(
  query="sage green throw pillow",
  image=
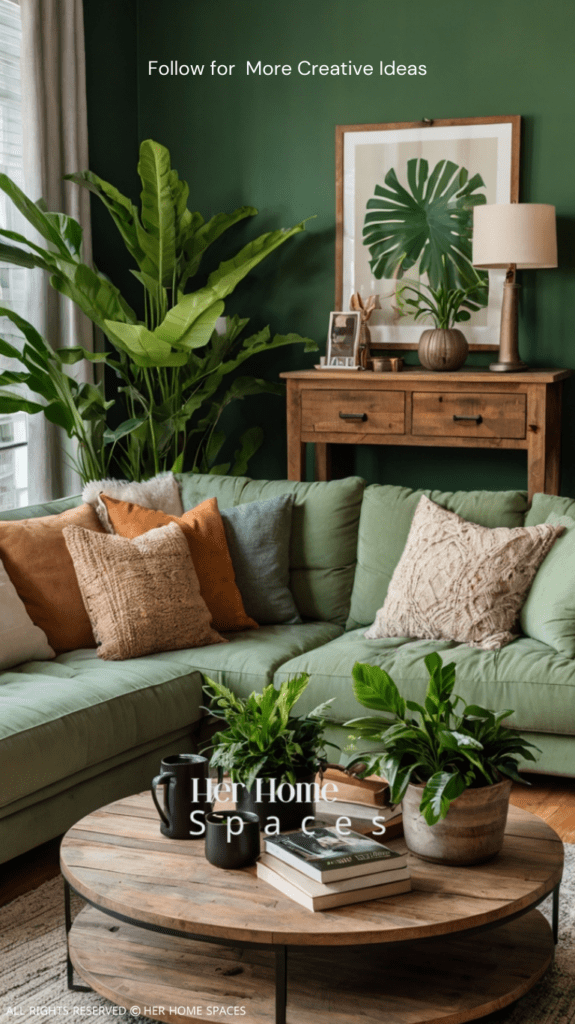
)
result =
(258, 536)
(549, 611)
(385, 522)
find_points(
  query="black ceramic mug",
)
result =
(183, 777)
(232, 838)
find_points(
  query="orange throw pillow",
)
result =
(39, 564)
(204, 531)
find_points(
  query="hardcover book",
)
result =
(317, 896)
(373, 790)
(367, 812)
(326, 855)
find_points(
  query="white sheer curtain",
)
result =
(55, 143)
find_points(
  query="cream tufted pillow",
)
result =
(459, 581)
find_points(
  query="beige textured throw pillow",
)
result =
(459, 581)
(142, 595)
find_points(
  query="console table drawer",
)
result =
(353, 412)
(461, 414)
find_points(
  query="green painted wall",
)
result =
(270, 142)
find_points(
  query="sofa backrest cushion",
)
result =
(544, 504)
(324, 530)
(385, 522)
(49, 508)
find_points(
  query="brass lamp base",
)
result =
(508, 367)
(509, 361)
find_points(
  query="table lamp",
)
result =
(513, 236)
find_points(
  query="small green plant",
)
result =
(445, 305)
(262, 738)
(446, 751)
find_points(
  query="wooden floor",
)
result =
(552, 798)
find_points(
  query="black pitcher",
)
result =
(184, 779)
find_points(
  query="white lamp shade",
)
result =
(519, 233)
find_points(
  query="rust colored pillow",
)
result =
(204, 532)
(38, 562)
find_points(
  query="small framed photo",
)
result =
(343, 340)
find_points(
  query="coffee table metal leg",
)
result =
(69, 965)
(556, 913)
(281, 984)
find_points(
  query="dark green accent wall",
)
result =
(270, 142)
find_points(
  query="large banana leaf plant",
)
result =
(427, 222)
(171, 362)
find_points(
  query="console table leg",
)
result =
(556, 913)
(69, 965)
(281, 984)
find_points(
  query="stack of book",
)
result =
(321, 868)
(362, 801)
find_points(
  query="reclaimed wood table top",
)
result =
(117, 859)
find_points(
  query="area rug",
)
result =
(33, 965)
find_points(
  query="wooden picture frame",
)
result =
(342, 350)
(365, 153)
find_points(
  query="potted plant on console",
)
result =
(443, 346)
(452, 769)
(268, 750)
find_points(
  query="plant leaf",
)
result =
(250, 441)
(374, 689)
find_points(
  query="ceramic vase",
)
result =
(442, 349)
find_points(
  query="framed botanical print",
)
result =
(405, 194)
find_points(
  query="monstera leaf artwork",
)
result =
(429, 221)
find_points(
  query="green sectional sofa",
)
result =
(78, 732)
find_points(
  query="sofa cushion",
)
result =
(323, 539)
(61, 717)
(549, 611)
(459, 581)
(48, 508)
(204, 532)
(37, 561)
(384, 526)
(527, 676)
(544, 504)
(142, 595)
(250, 660)
(258, 536)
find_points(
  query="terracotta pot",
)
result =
(441, 349)
(471, 832)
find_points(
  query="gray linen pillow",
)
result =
(258, 536)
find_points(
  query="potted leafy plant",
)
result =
(451, 768)
(170, 359)
(263, 746)
(443, 347)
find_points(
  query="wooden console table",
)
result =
(463, 409)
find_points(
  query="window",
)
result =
(13, 280)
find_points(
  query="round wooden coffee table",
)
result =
(173, 937)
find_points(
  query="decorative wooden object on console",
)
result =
(463, 409)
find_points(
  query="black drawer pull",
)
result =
(353, 416)
(475, 419)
